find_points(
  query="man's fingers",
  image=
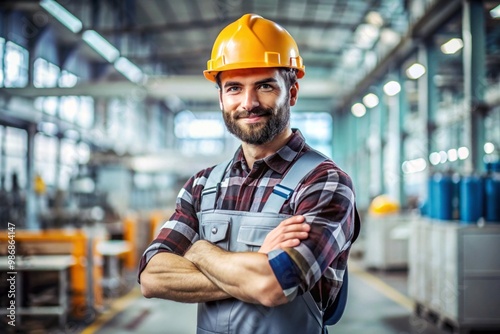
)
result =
(294, 235)
(290, 243)
(293, 220)
(302, 227)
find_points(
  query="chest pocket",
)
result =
(253, 236)
(254, 230)
(238, 231)
(217, 232)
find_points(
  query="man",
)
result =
(256, 275)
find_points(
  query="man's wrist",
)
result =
(195, 250)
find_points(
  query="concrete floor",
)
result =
(378, 304)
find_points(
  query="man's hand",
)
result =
(287, 234)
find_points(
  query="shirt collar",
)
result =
(281, 160)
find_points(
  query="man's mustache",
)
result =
(253, 112)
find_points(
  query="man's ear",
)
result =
(294, 93)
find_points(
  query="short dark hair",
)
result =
(288, 74)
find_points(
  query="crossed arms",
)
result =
(207, 273)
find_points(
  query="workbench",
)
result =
(25, 265)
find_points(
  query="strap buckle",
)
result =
(282, 191)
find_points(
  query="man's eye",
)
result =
(266, 87)
(233, 89)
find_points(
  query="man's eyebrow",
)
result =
(232, 83)
(260, 82)
(267, 80)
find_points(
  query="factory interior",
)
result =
(105, 114)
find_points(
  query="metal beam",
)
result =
(174, 27)
(194, 88)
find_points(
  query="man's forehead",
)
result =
(249, 74)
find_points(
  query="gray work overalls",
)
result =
(238, 231)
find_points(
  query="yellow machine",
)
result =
(85, 289)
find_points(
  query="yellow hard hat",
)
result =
(252, 42)
(382, 205)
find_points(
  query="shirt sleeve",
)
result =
(326, 200)
(182, 229)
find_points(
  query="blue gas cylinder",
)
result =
(443, 195)
(471, 199)
(492, 194)
(430, 206)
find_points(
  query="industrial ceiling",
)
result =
(344, 43)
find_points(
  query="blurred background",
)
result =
(105, 113)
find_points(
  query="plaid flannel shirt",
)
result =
(325, 198)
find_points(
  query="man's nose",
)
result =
(250, 100)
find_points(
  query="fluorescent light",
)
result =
(463, 153)
(374, 18)
(452, 46)
(415, 71)
(358, 110)
(370, 100)
(443, 157)
(101, 45)
(434, 158)
(495, 12)
(129, 69)
(392, 88)
(62, 15)
(489, 148)
(452, 154)
(414, 166)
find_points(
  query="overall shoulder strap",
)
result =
(209, 193)
(283, 190)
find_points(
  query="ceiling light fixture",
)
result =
(415, 71)
(129, 69)
(62, 15)
(495, 12)
(392, 88)
(101, 45)
(375, 19)
(358, 109)
(370, 100)
(452, 46)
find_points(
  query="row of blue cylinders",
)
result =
(466, 198)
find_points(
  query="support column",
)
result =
(383, 110)
(403, 111)
(31, 219)
(474, 59)
(428, 95)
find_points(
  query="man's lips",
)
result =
(250, 115)
(252, 118)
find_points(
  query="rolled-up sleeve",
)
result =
(326, 199)
(181, 230)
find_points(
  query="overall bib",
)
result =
(238, 231)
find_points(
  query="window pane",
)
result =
(45, 74)
(67, 79)
(69, 153)
(2, 46)
(316, 128)
(15, 142)
(16, 65)
(45, 148)
(45, 154)
(70, 106)
(200, 133)
(85, 117)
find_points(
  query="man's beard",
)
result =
(258, 133)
